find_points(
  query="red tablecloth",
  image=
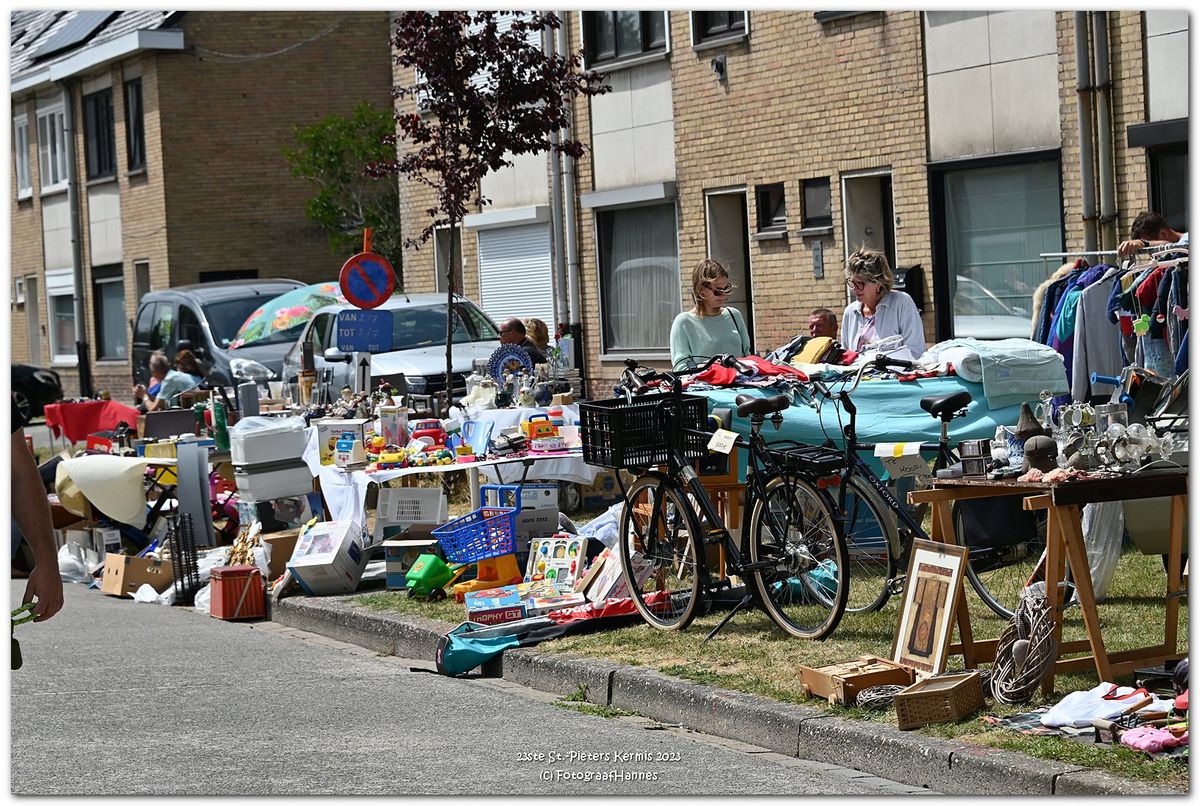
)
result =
(76, 420)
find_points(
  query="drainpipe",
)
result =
(1108, 190)
(1083, 100)
(572, 236)
(81, 346)
(556, 212)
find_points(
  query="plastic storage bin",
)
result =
(270, 480)
(257, 440)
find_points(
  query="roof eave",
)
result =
(91, 57)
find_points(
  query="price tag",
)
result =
(902, 459)
(722, 441)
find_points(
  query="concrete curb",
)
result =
(793, 730)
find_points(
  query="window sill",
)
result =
(101, 180)
(769, 235)
(112, 362)
(27, 196)
(135, 172)
(720, 41)
(629, 61)
(54, 190)
(808, 232)
(614, 358)
(62, 361)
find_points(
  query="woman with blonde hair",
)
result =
(878, 311)
(709, 328)
(538, 333)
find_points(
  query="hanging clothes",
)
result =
(1097, 342)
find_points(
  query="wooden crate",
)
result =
(840, 683)
(939, 699)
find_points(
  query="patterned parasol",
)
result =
(287, 311)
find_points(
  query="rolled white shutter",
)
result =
(515, 275)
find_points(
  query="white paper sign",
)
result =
(902, 459)
(722, 441)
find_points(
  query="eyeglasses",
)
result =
(722, 292)
(857, 285)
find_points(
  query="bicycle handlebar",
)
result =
(639, 382)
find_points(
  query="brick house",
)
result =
(778, 142)
(158, 137)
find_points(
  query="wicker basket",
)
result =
(939, 699)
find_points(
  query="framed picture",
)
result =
(932, 591)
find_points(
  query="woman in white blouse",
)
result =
(878, 311)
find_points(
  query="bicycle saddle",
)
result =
(749, 404)
(946, 406)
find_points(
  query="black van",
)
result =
(204, 318)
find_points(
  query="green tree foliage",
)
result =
(334, 154)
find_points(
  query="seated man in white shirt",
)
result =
(1150, 229)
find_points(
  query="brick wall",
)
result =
(229, 110)
(25, 238)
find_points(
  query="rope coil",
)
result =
(1026, 649)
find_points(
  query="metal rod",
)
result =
(1108, 188)
(1083, 101)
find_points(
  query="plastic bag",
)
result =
(71, 568)
(1103, 526)
(264, 425)
(145, 594)
(605, 527)
(203, 599)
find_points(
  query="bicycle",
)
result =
(879, 530)
(792, 548)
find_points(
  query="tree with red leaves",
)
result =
(482, 93)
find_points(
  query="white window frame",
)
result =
(24, 173)
(56, 114)
(630, 61)
(716, 41)
(57, 357)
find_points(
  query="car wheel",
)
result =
(23, 403)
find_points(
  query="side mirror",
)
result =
(334, 355)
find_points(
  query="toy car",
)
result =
(431, 429)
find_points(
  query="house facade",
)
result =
(148, 153)
(778, 142)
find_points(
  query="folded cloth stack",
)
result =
(1012, 371)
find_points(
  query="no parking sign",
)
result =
(367, 280)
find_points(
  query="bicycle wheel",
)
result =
(999, 573)
(794, 533)
(872, 547)
(657, 550)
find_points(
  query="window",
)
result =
(144, 329)
(108, 291)
(639, 277)
(817, 209)
(62, 327)
(99, 134)
(996, 221)
(611, 35)
(772, 208)
(21, 152)
(52, 148)
(1168, 184)
(135, 132)
(441, 248)
(141, 279)
(321, 330)
(708, 25)
(189, 328)
(164, 327)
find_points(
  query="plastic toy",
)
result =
(464, 454)
(431, 429)
(538, 426)
(429, 575)
(390, 461)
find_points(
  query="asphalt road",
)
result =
(118, 698)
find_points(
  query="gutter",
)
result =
(89, 58)
(1083, 101)
(1108, 190)
(81, 348)
(572, 235)
(556, 210)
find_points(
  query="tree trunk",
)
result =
(450, 314)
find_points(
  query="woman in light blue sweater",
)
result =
(709, 328)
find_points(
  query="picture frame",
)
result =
(933, 590)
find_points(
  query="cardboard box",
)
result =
(540, 605)
(840, 683)
(124, 574)
(330, 430)
(602, 492)
(610, 582)
(282, 545)
(399, 556)
(494, 605)
(105, 540)
(558, 558)
(329, 558)
(539, 496)
(534, 523)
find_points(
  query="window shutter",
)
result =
(515, 275)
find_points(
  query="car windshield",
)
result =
(425, 326)
(224, 318)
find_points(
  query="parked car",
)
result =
(33, 388)
(416, 362)
(204, 318)
(981, 314)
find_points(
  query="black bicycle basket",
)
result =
(627, 434)
(813, 460)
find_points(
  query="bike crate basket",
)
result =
(627, 434)
(486, 532)
(812, 459)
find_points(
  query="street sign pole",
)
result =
(362, 372)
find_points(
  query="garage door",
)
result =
(515, 274)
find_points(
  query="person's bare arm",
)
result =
(31, 511)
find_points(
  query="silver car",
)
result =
(416, 362)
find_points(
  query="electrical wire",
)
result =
(251, 57)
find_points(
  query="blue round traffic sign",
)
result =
(367, 280)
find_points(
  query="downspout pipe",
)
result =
(572, 234)
(1083, 102)
(556, 211)
(81, 346)
(1108, 190)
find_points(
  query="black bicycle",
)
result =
(880, 530)
(677, 555)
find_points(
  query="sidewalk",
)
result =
(793, 730)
